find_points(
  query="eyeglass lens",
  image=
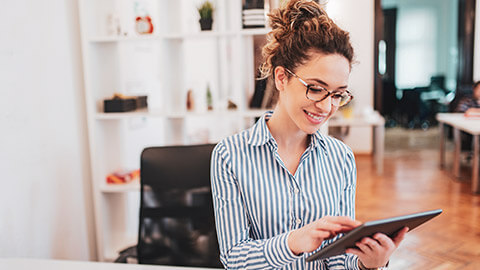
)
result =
(337, 99)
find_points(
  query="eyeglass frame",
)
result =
(308, 86)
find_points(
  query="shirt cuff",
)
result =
(361, 267)
(345, 261)
(277, 252)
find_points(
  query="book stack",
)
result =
(121, 103)
(253, 18)
(265, 95)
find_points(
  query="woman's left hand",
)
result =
(376, 251)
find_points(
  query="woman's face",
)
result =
(330, 71)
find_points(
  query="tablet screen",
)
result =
(389, 226)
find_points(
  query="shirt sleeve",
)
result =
(347, 208)
(463, 105)
(237, 249)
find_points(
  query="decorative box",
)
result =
(119, 105)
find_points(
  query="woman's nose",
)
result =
(324, 105)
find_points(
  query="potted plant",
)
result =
(206, 15)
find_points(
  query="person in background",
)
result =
(470, 104)
(281, 189)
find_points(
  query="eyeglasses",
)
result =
(318, 93)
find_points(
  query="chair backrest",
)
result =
(437, 82)
(177, 224)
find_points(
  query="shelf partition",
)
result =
(178, 115)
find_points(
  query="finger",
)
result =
(371, 243)
(345, 229)
(327, 226)
(321, 234)
(384, 241)
(355, 251)
(363, 247)
(400, 236)
(344, 221)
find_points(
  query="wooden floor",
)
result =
(412, 182)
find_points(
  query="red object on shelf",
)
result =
(144, 25)
(122, 177)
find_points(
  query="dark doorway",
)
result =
(466, 32)
(385, 37)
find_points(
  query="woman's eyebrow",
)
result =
(325, 84)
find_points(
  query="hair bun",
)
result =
(301, 11)
(297, 27)
(294, 16)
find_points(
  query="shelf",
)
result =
(108, 39)
(374, 119)
(179, 115)
(176, 56)
(197, 35)
(255, 31)
(128, 115)
(214, 113)
(254, 112)
(203, 34)
(120, 188)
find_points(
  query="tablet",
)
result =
(389, 226)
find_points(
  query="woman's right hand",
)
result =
(310, 237)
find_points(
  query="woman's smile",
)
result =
(315, 118)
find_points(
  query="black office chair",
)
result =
(177, 225)
(410, 107)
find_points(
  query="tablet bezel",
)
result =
(388, 226)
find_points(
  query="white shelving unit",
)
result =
(163, 66)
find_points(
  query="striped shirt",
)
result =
(257, 201)
(466, 103)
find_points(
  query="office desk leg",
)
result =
(379, 133)
(456, 153)
(476, 153)
(442, 145)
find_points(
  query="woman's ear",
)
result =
(281, 78)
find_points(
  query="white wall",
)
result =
(45, 197)
(357, 17)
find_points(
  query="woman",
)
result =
(470, 105)
(281, 189)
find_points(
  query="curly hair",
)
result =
(298, 28)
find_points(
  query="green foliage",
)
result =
(206, 10)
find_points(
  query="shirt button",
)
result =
(297, 190)
(298, 221)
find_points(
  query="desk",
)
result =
(38, 264)
(377, 122)
(460, 123)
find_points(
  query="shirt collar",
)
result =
(318, 140)
(260, 134)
